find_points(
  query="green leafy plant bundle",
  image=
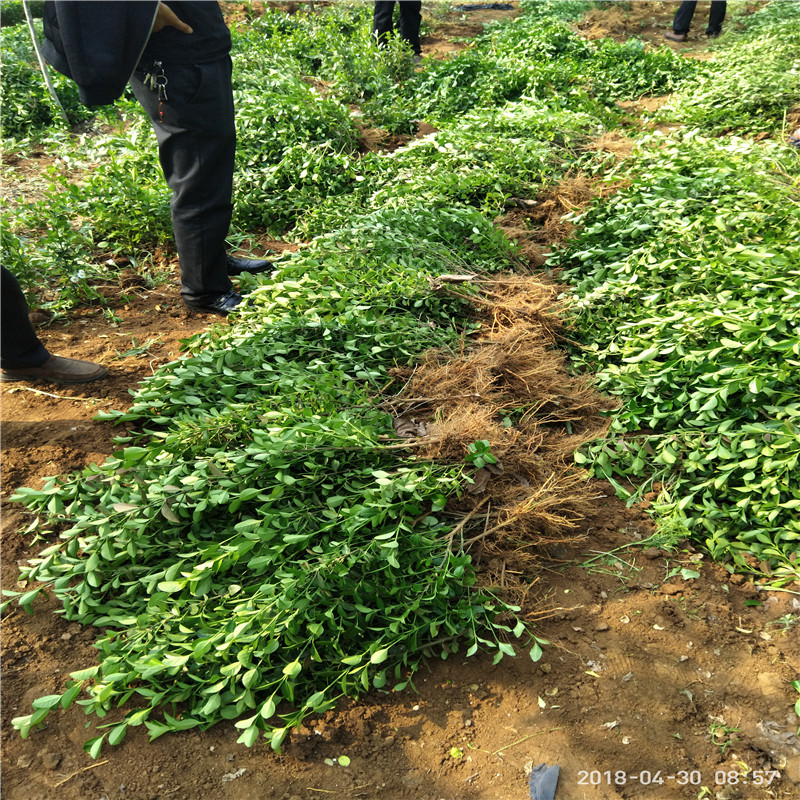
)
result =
(483, 160)
(686, 298)
(258, 550)
(753, 81)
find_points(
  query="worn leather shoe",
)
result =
(676, 37)
(236, 266)
(221, 305)
(57, 370)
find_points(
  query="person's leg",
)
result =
(23, 356)
(683, 17)
(382, 24)
(196, 146)
(716, 16)
(410, 20)
(20, 344)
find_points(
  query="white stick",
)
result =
(42, 65)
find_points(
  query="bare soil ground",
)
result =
(666, 676)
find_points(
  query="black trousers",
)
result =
(410, 20)
(196, 134)
(685, 12)
(19, 343)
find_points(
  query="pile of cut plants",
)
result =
(296, 503)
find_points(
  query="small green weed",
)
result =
(479, 454)
(136, 349)
(722, 736)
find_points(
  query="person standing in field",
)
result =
(410, 20)
(683, 20)
(177, 60)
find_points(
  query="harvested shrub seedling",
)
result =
(290, 514)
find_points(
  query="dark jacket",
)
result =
(210, 41)
(97, 44)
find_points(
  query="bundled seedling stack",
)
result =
(261, 547)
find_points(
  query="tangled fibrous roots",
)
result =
(615, 142)
(544, 223)
(512, 389)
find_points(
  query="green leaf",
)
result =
(170, 587)
(316, 699)
(689, 574)
(379, 656)
(268, 709)
(94, 746)
(645, 355)
(246, 723)
(250, 677)
(69, 696)
(138, 717)
(117, 734)
(156, 729)
(276, 740)
(292, 669)
(84, 674)
(507, 648)
(28, 597)
(249, 736)
(22, 723)
(48, 701)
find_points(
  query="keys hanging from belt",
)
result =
(156, 80)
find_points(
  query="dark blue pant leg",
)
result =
(683, 16)
(382, 23)
(410, 20)
(196, 148)
(18, 341)
(716, 16)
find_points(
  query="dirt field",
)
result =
(666, 676)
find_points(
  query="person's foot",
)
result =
(712, 34)
(57, 370)
(236, 266)
(221, 305)
(676, 37)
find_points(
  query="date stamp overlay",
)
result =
(655, 778)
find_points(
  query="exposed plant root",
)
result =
(538, 227)
(511, 388)
(615, 142)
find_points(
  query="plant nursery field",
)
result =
(497, 468)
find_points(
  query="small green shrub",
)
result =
(26, 106)
(12, 12)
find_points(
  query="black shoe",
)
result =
(712, 34)
(57, 370)
(221, 305)
(236, 266)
